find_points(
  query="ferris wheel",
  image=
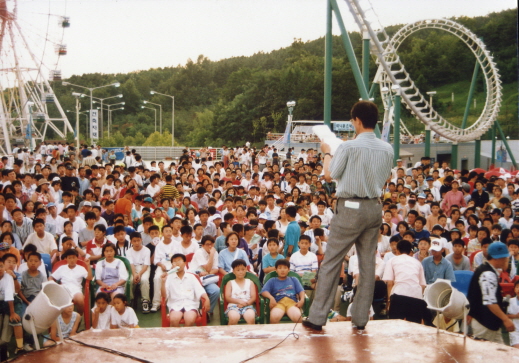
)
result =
(29, 62)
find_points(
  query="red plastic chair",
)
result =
(201, 320)
(189, 258)
(86, 293)
(507, 284)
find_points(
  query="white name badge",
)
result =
(352, 205)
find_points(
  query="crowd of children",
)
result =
(175, 231)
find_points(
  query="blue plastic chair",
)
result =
(462, 281)
(45, 257)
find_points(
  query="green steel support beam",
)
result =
(477, 156)
(365, 58)
(454, 156)
(328, 67)
(427, 141)
(372, 90)
(396, 127)
(471, 95)
(503, 139)
(348, 47)
(493, 135)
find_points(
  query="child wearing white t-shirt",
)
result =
(71, 277)
(139, 258)
(101, 313)
(513, 313)
(303, 260)
(122, 316)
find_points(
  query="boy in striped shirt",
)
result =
(303, 260)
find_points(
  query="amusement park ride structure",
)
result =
(396, 86)
(28, 105)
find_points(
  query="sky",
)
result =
(120, 36)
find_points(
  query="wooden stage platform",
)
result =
(383, 341)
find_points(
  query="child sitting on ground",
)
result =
(241, 295)
(71, 277)
(183, 292)
(286, 294)
(69, 322)
(122, 316)
(102, 311)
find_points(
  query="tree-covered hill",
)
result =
(240, 99)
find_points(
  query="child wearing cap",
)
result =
(436, 266)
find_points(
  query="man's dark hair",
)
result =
(366, 112)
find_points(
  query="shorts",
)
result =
(241, 311)
(19, 308)
(73, 290)
(482, 332)
(119, 290)
(184, 310)
(285, 304)
(514, 338)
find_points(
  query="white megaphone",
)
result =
(45, 309)
(441, 297)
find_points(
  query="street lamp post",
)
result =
(91, 89)
(109, 108)
(101, 119)
(160, 118)
(86, 113)
(155, 110)
(428, 128)
(172, 115)
(78, 106)
(110, 117)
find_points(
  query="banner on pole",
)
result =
(94, 125)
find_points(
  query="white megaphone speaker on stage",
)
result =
(441, 297)
(45, 309)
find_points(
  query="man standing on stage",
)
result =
(361, 167)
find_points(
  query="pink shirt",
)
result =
(407, 274)
(453, 198)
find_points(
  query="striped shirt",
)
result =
(170, 192)
(361, 166)
(24, 230)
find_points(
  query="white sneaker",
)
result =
(154, 308)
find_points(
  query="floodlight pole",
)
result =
(396, 127)
(359, 79)
(328, 67)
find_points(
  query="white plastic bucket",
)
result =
(442, 297)
(46, 307)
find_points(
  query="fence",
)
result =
(169, 153)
